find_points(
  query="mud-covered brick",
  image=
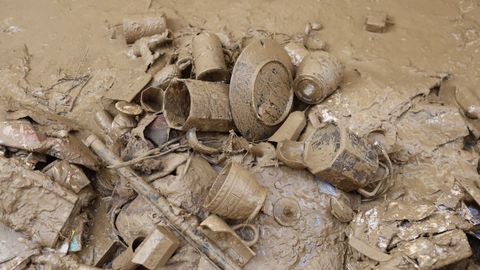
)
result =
(156, 249)
(340, 157)
(376, 23)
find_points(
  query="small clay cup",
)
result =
(235, 194)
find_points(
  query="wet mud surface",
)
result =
(409, 104)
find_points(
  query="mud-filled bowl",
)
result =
(261, 92)
(198, 104)
(235, 194)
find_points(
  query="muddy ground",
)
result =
(415, 82)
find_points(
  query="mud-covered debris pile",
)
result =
(264, 151)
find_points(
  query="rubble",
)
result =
(226, 149)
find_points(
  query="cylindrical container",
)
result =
(235, 194)
(165, 76)
(208, 59)
(318, 76)
(261, 93)
(198, 104)
(151, 99)
(340, 157)
(136, 26)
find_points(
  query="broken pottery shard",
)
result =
(367, 250)
(227, 239)
(68, 175)
(291, 128)
(436, 251)
(30, 202)
(158, 130)
(137, 219)
(156, 249)
(340, 157)
(136, 26)
(376, 23)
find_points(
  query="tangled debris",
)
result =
(244, 153)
